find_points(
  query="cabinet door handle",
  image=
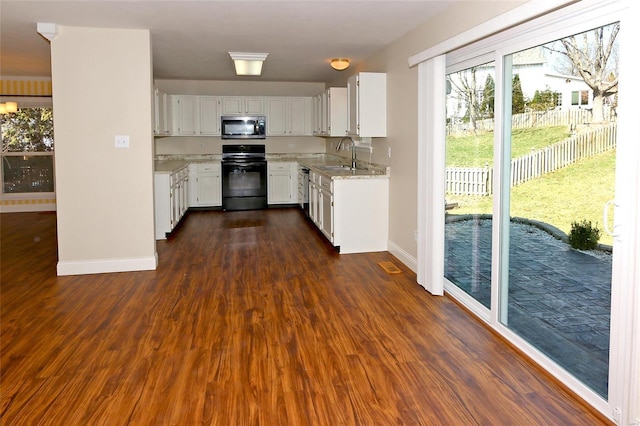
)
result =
(605, 218)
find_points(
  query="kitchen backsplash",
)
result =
(213, 145)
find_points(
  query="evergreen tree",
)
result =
(544, 100)
(517, 97)
(488, 97)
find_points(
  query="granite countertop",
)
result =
(338, 169)
(328, 165)
(169, 166)
(334, 166)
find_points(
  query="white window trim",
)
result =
(624, 394)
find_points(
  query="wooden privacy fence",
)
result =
(479, 180)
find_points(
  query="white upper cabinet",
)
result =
(288, 116)
(196, 115)
(185, 115)
(299, 116)
(367, 104)
(324, 123)
(209, 115)
(316, 115)
(276, 120)
(333, 112)
(162, 113)
(243, 105)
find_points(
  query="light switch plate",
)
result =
(122, 141)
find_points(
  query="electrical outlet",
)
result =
(122, 141)
(415, 232)
(389, 152)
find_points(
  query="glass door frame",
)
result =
(623, 404)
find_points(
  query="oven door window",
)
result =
(244, 180)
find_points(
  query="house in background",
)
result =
(535, 70)
(537, 73)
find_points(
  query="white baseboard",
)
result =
(403, 256)
(108, 265)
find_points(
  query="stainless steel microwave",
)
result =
(233, 127)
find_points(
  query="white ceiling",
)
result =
(191, 39)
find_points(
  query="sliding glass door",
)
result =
(469, 169)
(531, 152)
(560, 153)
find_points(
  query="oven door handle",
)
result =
(242, 163)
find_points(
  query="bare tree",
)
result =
(589, 54)
(465, 86)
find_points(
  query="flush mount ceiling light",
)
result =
(248, 63)
(339, 64)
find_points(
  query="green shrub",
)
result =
(584, 236)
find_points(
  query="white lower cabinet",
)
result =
(205, 186)
(303, 187)
(282, 183)
(353, 214)
(171, 190)
(314, 191)
(325, 205)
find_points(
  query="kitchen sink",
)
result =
(335, 168)
(346, 168)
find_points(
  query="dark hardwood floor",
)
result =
(251, 319)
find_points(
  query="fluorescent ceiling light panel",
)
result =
(248, 63)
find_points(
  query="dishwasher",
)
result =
(303, 189)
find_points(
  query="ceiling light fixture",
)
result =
(7, 107)
(340, 64)
(248, 63)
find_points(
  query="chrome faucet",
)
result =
(353, 150)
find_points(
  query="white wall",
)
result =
(102, 87)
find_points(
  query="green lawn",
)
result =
(477, 150)
(573, 193)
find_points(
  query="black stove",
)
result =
(244, 177)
